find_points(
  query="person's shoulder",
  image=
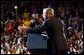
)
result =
(54, 17)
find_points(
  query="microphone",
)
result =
(44, 35)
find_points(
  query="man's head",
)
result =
(48, 12)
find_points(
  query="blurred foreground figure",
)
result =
(54, 27)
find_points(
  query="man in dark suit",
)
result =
(54, 27)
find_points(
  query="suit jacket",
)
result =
(54, 28)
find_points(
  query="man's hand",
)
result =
(22, 29)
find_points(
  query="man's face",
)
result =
(49, 14)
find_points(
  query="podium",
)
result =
(36, 41)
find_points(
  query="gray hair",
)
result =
(46, 10)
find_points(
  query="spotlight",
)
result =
(15, 7)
